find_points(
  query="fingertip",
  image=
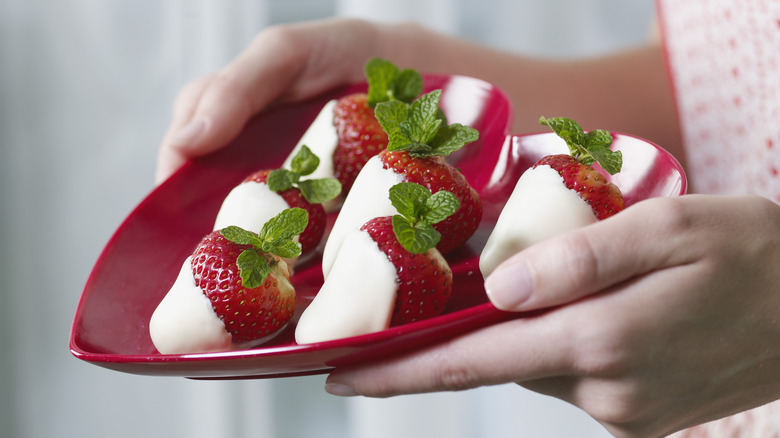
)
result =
(187, 137)
(510, 287)
(168, 161)
(339, 389)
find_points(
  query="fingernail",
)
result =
(340, 390)
(190, 132)
(509, 286)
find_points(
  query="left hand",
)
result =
(284, 63)
(669, 316)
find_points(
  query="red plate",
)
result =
(142, 259)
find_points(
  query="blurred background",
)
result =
(86, 88)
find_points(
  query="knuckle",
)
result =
(281, 40)
(615, 402)
(573, 258)
(455, 378)
(673, 216)
(583, 263)
(453, 373)
(275, 34)
(600, 352)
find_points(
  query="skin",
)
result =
(676, 327)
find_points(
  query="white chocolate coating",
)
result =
(540, 207)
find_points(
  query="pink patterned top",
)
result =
(724, 63)
(724, 59)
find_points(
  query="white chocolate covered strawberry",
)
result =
(387, 273)
(557, 194)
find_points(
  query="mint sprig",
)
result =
(386, 82)
(304, 163)
(589, 147)
(276, 237)
(419, 128)
(418, 210)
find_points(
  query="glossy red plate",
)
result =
(140, 262)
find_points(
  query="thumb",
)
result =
(582, 262)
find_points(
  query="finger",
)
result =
(588, 260)
(209, 115)
(212, 111)
(516, 350)
(170, 157)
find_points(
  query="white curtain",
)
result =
(86, 88)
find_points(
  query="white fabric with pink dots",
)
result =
(724, 60)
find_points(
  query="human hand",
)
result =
(282, 64)
(667, 317)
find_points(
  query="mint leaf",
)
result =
(276, 237)
(589, 147)
(391, 114)
(317, 191)
(417, 210)
(417, 239)
(440, 114)
(280, 229)
(304, 162)
(421, 128)
(280, 180)
(440, 206)
(379, 75)
(611, 161)
(285, 248)
(452, 138)
(567, 129)
(408, 84)
(570, 131)
(409, 200)
(253, 268)
(285, 225)
(387, 83)
(598, 137)
(422, 123)
(240, 236)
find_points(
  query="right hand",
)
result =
(675, 326)
(282, 64)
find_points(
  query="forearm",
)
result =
(627, 91)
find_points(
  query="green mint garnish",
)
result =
(589, 147)
(317, 191)
(386, 82)
(305, 162)
(253, 268)
(419, 129)
(418, 210)
(276, 237)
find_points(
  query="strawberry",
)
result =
(408, 239)
(577, 169)
(419, 143)
(540, 207)
(436, 175)
(360, 136)
(424, 280)
(313, 233)
(306, 194)
(387, 273)
(244, 277)
(296, 192)
(603, 197)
